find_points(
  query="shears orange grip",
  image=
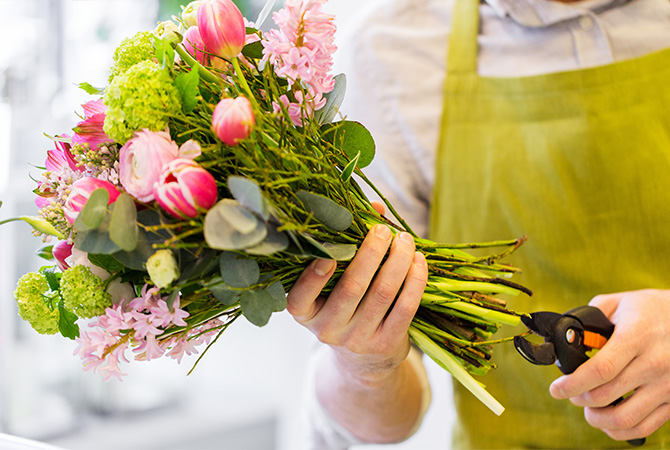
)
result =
(594, 340)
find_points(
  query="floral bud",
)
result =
(162, 268)
(185, 189)
(168, 30)
(81, 190)
(222, 28)
(189, 14)
(193, 44)
(62, 251)
(233, 120)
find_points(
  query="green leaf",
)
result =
(350, 167)
(164, 52)
(46, 252)
(253, 50)
(187, 84)
(352, 138)
(248, 193)
(52, 276)
(231, 226)
(223, 293)
(67, 322)
(94, 211)
(196, 268)
(145, 242)
(334, 101)
(257, 306)
(123, 229)
(338, 252)
(238, 272)
(96, 241)
(326, 211)
(275, 241)
(277, 292)
(107, 262)
(91, 89)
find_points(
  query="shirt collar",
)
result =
(543, 13)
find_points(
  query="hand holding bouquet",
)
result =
(205, 177)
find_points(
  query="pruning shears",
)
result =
(568, 338)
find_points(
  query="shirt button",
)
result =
(586, 23)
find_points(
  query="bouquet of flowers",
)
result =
(203, 179)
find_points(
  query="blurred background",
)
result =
(246, 393)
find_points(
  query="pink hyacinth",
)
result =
(301, 50)
(185, 189)
(221, 26)
(81, 190)
(233, 119)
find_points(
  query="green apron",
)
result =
(580, 163)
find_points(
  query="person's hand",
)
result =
(359, 319)
(636, 358)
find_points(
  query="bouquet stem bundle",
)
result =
(258, 181)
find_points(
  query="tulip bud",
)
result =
(62, 251)
(222, 27)
(233, 120)
(190, 13)
(184, 189)
(193, 44)
(81, 190)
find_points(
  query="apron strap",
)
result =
(462, 56)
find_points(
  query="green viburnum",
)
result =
(84, 292)
(35, 306)
(143, 97)
(131, 51)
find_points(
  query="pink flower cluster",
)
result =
(138, 324)
(301, 50)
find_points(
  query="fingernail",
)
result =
(323, 266)
(419, 259)
(406, 237)
(382, 231)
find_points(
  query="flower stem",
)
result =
(193, 63)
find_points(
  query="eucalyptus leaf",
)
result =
(224, 294)
(123, 230)
(350, 167)
(257, 306)
(107, 262)
(338, 252)
(98, 240)
(277, 292)
(230, 226)
(237, 271)
(248, 193)
(94, 211)
(145, 241)
(352, 138)
(326, 211)
(334, 101)
(193, 268)
(275, 241)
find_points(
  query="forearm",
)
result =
(377, 407)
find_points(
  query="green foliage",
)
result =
(123, 230)
(326, 211)
(187, 84)
(132, 50)
(67, 322)
(351, 138)
(142, 97)
(94, 211)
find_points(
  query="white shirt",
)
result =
(393, 53)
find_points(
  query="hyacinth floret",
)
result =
(143, 97)
(131, 51)
(301, 51)
(139, 324)
(84, 292)
(35, 305)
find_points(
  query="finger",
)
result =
(625, 415)
(631, 378)
(400, 317)
(303, 299)
(644, 428)
(354, 282)
(386, 285)
(379, 207)
(602, 368)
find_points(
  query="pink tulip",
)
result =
(81, 190)
(62, 251)
(193, 44)
(222, 28)
(185, 189)
(141, 161)
(90, 130)
(233, 120)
